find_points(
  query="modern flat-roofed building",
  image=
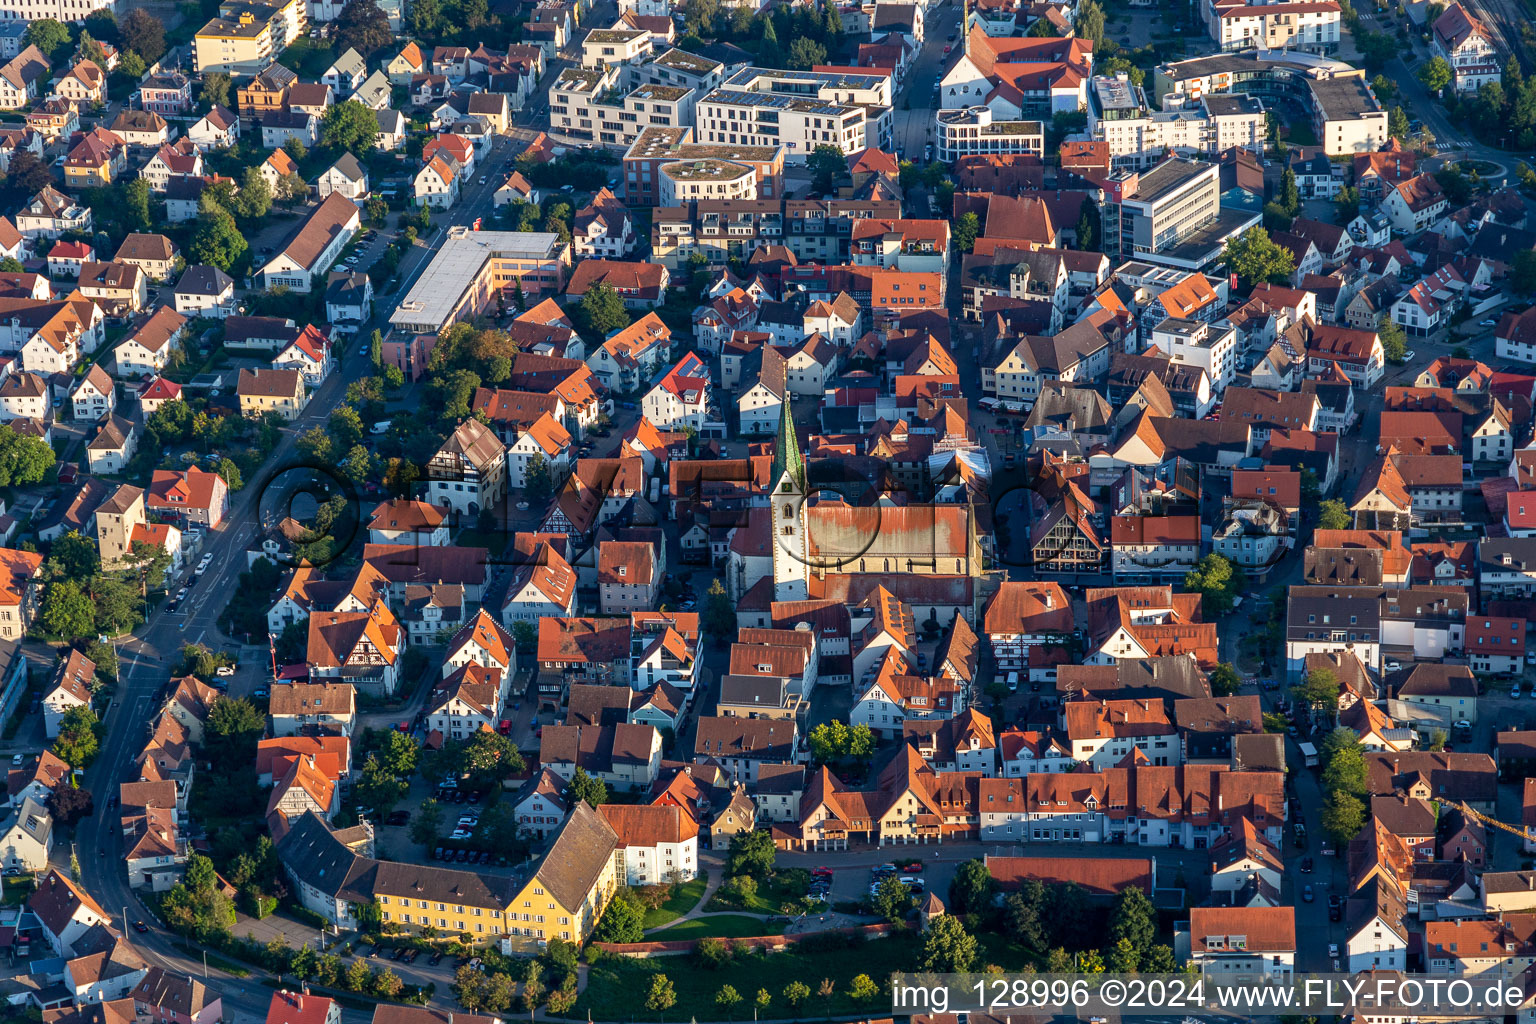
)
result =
(1171, 215)
(472, 268)
(974, 131)
(657, 146)
(798, 109)
(1138, 136)
(1346, 115)
(245, 38)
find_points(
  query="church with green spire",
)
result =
(791, 553)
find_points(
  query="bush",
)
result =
(712, 953)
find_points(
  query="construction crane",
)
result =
(1457, 805)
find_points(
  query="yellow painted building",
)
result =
(263, 391)
(563, 898)
(246, 38)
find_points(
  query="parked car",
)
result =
(1306, 893)
(140, 927)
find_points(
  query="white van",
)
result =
(1013, 681)
(379, 428)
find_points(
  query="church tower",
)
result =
(791, 551)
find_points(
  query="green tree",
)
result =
(862, 989)
(1225, 680)
(660, 996)
(805, 53)
(1088, 226)
(89, 49)
(892, 899)
(79, 738)
(387, 984)
(351, 125)
(622, 920)
(1397, 124)
(966, 230)
(768, 50)
(947, 947)
(826, 163)
(751, 853)
(1344, 769)
(1123, 958)
(1522, 276)
(68, 611)
(602, 311)
(376, 348)
(1254, 258)
(359, 978)
(399, 753)
(48, 35)
(358, 465)
(719, 618)
(795, 993)
(234, 717)
(255, 198)
(1134, 919)
(364, 27)
(970, 890)
(1159, 960)
(1346, 205)
(144, 34)
(230, 473)
(728, 999)
(1218, 582)
(1394, 344)
(1435, 74)
(1333, 514)
(1290, 197)
(1021, 916)
(73, 557)
(1438, 739)
(316, 445)
(1090, 23)
(428, 823)
(1343, 817)
(378, 788)
(23, 459)
(135, 205)
(132, 66)
(538, 486)
(1275, 218)
(589, 788)
(215, 240)
(763, 999)
(28, 174)
(1318, 688)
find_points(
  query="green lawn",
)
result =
(727, 926)
(684, 898)
(617, 985)
(769, 898)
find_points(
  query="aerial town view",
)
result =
(701, 510)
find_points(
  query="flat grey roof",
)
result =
(1167, 177)
(440, 287)
(1339, 98)
(1202, 244)
(1233, 103)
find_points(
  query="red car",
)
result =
(821, 872)
(913, 868)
